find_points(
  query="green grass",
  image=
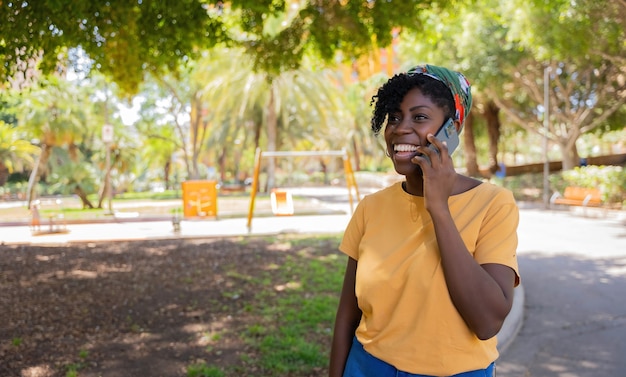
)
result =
(292, 313)
(203, 370)
(72, 370)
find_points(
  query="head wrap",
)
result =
(455, 81)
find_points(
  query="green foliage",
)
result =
(16, 154)
(125, 39)
(570, 29)
(610, 180)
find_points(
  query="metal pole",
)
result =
(107, 184)
(546, 128)
(107, 138)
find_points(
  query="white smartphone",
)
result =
(447, 132)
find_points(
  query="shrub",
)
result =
(610, 180)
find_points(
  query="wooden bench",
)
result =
(578, 196)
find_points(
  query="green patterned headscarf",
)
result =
(458, 84)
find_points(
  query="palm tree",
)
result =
(51, 114)
(16, 154)
(368, 150)
(73, 174)
(301, 102)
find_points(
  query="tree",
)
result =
(470, 40)
(175, 117)
(159, 151)
(586, 86)
(368, 150)
(72, 175)
(581, 99)
(505, 46)
(16, 154)
(125, 39)
(300, 104)
(52, 115)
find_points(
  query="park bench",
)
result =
(55, 224)
(578, 196)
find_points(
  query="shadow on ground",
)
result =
(575, 318)
(149, 308)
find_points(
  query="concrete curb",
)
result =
(513, 322)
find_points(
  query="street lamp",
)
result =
(546, 128)
(107, 138)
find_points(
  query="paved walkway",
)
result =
(573, 269)
(164, 229)
(570, 312)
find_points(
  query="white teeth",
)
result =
(404, 148)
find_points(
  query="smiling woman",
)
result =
(436, 251)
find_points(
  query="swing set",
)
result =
(282, 200)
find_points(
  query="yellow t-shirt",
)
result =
(408, 318)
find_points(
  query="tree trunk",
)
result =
(324, 168)
(83, 197)
(42, 160)
(4, 174)
(357, 155)
(272, 136)
(166, 174)
(570, 157)
(107, 180)
(196, 123)
(493, 129)
(221, 161)
(257, 136)
(470, 147)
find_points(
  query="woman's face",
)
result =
(407, 128)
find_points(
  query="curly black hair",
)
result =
(391, 94)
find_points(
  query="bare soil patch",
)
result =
(148, 308)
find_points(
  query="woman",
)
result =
(431, 260)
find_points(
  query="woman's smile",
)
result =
(404, 151)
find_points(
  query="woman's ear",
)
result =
(457, 125)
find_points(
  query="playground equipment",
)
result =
(282, 201)
(199, 199)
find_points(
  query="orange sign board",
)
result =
(200, 198)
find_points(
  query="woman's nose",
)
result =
(404, 126)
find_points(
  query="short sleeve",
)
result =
(497, 241)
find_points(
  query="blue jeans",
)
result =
(362, 364)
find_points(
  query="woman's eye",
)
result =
(393, 119)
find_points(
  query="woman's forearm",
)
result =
(346, 322)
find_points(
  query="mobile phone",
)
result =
(447, 132)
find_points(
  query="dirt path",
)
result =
(125, 309)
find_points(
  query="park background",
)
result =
(104, 101)
(108, 103)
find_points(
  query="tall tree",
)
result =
(585, 87)
(124, 39)
(300, 102)
(470, 39)
(505, 47)
(174, 114)
(16, 153)
(51, 114)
